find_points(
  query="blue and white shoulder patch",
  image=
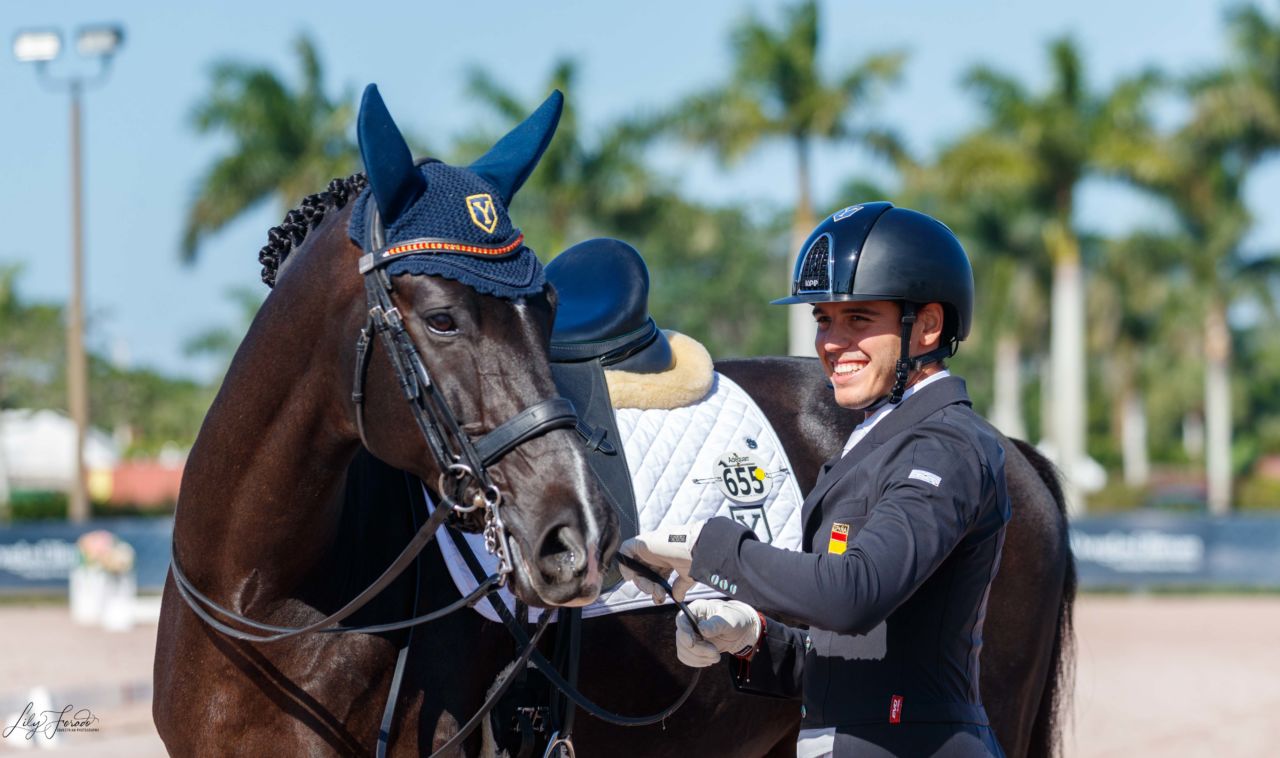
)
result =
(925, 476)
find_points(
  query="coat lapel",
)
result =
(913, 410)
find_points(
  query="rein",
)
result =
(551, 672)
(574, 694)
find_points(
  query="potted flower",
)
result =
(103, 585)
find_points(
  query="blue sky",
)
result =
(143, 159)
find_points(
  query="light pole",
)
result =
(39, 46)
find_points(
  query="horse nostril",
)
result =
(609, 547)
(563, 555)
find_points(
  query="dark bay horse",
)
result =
(262, 527)
(284, 517)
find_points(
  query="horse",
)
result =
(261, 536)
(285, 515)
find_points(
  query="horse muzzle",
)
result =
(565, 568)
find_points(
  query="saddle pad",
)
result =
(717, 457)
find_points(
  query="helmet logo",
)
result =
(845, 213)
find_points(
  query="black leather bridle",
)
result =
(458, 457)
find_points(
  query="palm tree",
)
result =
(1059, 136)
(704, 262)
(777, 92)
(981, 184)
(1202, 176)
(1140, 281)
(1237, 107)
(581, 185)
(287, 142)
(1201, 172)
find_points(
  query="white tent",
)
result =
(37, 450)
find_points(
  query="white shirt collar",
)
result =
(863, 429)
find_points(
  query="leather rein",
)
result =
(460, 460)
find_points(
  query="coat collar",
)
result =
(912, 411)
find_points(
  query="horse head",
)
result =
(465, 314)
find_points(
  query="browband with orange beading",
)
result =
(427, 245)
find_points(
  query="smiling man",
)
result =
(902, 531)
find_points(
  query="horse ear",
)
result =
(396, 182)
(509, 163)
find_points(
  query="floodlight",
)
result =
(37, 45)
(98, 41)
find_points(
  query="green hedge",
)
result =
(33, 505)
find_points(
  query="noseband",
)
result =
(458, 457)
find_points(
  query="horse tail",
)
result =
(1055, 700)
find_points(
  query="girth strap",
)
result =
(537, 419)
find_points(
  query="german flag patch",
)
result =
(839, 538)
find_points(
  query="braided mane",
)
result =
(298, 223)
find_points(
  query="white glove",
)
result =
(665, 551)
(727, 626)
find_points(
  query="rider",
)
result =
(902, 531)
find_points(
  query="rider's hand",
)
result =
(665, 551)
(727, 626)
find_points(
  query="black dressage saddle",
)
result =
(603, 322)
(603, 315)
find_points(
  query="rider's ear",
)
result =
(513, 158)
(930, 319)
(395, 180)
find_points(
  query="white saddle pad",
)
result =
(717, 457)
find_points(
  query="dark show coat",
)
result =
(902, 538)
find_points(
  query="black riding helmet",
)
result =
(874, 251)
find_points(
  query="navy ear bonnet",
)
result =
(443, 213)
(449, 221)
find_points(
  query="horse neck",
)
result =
(262, 491)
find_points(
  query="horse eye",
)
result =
(441, 323)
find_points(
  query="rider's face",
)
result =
(858, 343)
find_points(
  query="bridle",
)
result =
(460, 459)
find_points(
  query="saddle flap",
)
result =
(583, 382)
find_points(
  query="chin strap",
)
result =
(906, 364)
(902, 370)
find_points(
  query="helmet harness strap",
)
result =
(903, 368)
(906, 364)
